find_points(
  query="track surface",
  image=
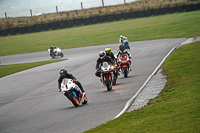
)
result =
(30, 101)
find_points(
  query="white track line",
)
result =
(130, 101)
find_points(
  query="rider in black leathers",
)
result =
(52, 48)
(111, 54)
(65, 74)
(102, 58)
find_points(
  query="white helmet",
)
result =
(102, 54)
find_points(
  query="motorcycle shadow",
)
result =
(72, 107)
(122, 77)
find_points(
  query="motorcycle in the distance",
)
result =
(126, 44)
(107, 75)
(124, 63)
(55, 52)
(73, 92)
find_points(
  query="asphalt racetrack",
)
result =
(30, 101)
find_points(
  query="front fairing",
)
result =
(67, 85)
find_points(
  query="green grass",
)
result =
(176, 109)
(178, 25)
(10, 69)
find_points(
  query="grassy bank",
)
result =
(176, 109)
(6, 23)
(10, 69)
(156, 27)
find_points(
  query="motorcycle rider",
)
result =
(122, 50)
(65, 74)
(111, 54)
(52, 48)
(102, 58)
(122, 38)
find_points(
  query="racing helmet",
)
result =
(108, 51)
(122, 48)
(121, 36)
(63, 72)
(102, 54)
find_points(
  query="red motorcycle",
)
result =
(124, 64)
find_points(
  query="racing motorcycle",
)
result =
(55, 52)
(73, 92)
(124, 64)
(126, 44)
(107, 76)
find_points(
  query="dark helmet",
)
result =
(122, 48)
(102, 54)
(108, 51)
(63, 71)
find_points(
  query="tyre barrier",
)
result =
(38, 27)
(94, 20)
(110, 17)
(70, 23)
(126, 15)
(98, 19)
(86, 21)
(45, 26)
(54, 25)
(21, 30)
(62, 24)
(13, 31)
(118, 17)
(78, 21)
(29, 29)
(102, 18)
(172, 9)
(148, 12)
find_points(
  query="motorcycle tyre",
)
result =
(61, 54)
(85, 100)
(108, 83)
(53, 56)
(114, 80)
(71, 98)
(109, 87)
(125, 72)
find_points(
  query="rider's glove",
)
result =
(75, 80)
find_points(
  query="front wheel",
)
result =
(85, 100)
(53, 55)
(61, 54)
(108, 85)
(125, 72)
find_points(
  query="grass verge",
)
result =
(10, 69)
(178, 25)
(176, 109)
